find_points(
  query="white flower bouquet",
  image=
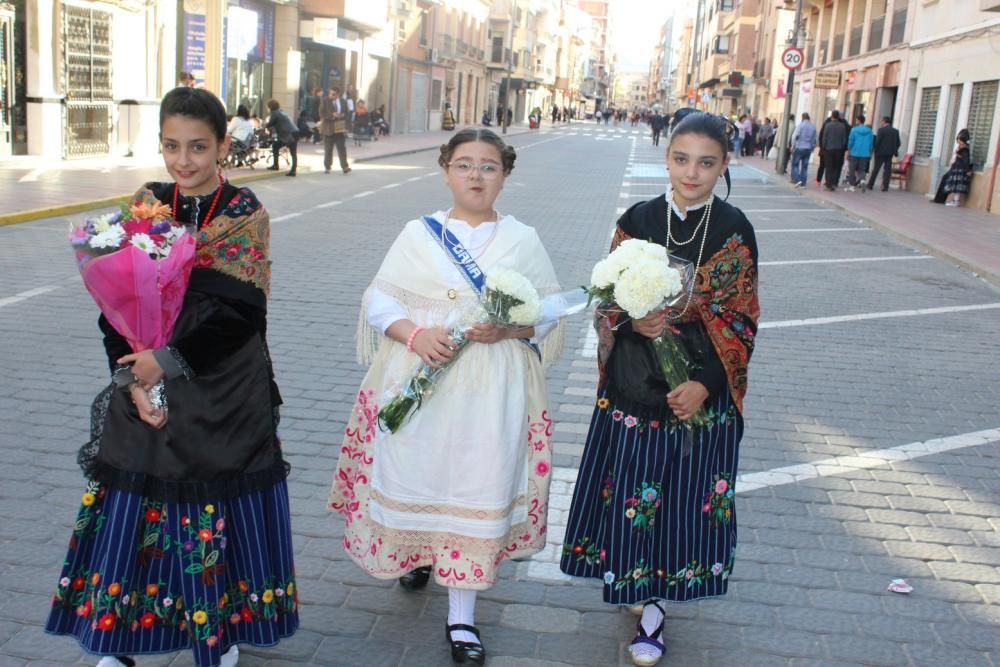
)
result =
(509, 300)
(640, 277)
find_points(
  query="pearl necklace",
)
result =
(483, 246)
(704, 219)
(701, 250)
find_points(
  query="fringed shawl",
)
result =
(410, 275)
(725, 296)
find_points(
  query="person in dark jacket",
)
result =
(285, 134)
(887, 145)
(834, 146)
(656, 123)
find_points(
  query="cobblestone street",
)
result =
(872, 449)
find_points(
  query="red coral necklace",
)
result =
(211, 209)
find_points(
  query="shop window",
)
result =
(930, 98)
(981, 111)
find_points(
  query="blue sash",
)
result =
(460, 257)
(463, 261)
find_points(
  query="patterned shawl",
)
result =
(725, 296)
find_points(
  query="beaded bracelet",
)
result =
(410, 339)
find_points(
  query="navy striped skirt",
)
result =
(651, 517)
(144, 577)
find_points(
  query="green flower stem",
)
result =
(674, 363)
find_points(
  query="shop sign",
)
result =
(827, 78)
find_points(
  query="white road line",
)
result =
(544, 566)
(27, 294)
(537, 143)
(363, 194)
(390, 185)
(870, 458)
(780, 324)
(327, 204)
(812, 229)
(896, 258)
(787, 210)
(414, 178)
(287, 216)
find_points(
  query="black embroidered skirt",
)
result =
(647, 519)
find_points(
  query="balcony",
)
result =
(363, 16)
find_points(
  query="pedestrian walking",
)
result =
(652, 514)
(739, 138)
(334, 112)
(311, 108)
(887, 145)
(803, 144)
(285, 136)
(454, 491)
(833, 145)
(957, 179)
(183, 537)
(766, 138)
(656, 123)
(859, 146)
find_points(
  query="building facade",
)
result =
(928, 65)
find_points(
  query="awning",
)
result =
(710, 83)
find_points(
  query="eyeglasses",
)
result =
(488, 170)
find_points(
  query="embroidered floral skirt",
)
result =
(145, 577)
(648, 520)
(463, 485)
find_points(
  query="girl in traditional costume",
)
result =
(653, 514)
(183, 540)
(463, 484)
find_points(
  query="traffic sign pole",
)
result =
(781, 164)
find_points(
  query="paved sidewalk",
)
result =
(966, 237)
(40, 187)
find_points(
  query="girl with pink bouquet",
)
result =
(183, 537)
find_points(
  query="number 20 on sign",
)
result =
(792, 58)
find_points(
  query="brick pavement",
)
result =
(815, 553)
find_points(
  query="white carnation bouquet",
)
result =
(638, 278)
(508, 300)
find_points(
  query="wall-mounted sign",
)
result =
(827, 78)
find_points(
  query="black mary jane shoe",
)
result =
(463, 652)
(416, 579)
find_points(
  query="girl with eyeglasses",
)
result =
(463, 484)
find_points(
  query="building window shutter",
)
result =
(981, 110)
(927, 121)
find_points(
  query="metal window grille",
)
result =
(86, 57)
(981, 110)
(927, 121)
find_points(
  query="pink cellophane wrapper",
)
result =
(140, 296)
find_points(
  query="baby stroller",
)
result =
(243, 154)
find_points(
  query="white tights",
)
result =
(462, 609)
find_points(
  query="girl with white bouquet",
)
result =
(653, 513)
(461, 482)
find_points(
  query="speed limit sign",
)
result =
(792, 57)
